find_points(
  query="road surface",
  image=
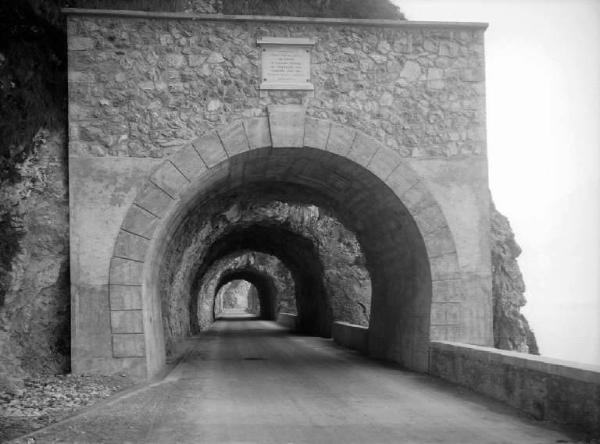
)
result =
(250, 381)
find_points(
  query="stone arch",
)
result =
(239, 265)
(261, 281)
(249, 151)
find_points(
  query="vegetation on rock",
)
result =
(33, 91)
(380, 9)
(33, 82)
(374, 9)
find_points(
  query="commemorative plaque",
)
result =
(285, 63)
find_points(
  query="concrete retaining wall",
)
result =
(352, 336)
(287, 320)
(549, 389)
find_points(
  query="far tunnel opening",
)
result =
(237, 298)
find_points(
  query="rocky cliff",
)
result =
(511, 329)
(35, 313)
(34, 246)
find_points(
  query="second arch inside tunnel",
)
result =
(351, 248)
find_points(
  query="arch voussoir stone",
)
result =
(417, 198)
(125, 271)
(125, 297)
(439, 242)
(126, 321)
(139, 221)
(340, 139)
(169, 179)
(153, 199)
(286, 123)
(401, 179)
(131, 246)
(234, 138)
(188, 162)
(430, 219)
(384, 162)
(210, 149)
(363, 149)
(316, 133)
(258, 132)
(444, 267)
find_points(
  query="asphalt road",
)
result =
(249, 381)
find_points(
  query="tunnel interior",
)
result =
(352, 249)
(238, 296)
(299, 256)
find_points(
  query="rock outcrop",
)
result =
(35, 313)
(511, 329)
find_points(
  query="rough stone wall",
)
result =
(511, 329)
(145, 87)
(34, 318)
(204, 6)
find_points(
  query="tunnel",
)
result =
(226, 191)
(207, 225)
(300, 257)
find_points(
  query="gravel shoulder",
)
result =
(48, 399)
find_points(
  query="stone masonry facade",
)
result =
(153, 96)
(143, 88)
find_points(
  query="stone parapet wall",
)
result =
(287, 320)
(549, 389)
(352, 336)
(143, 87)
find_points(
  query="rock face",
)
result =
(34, 316)
(511, 329)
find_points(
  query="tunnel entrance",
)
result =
(208, 197)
